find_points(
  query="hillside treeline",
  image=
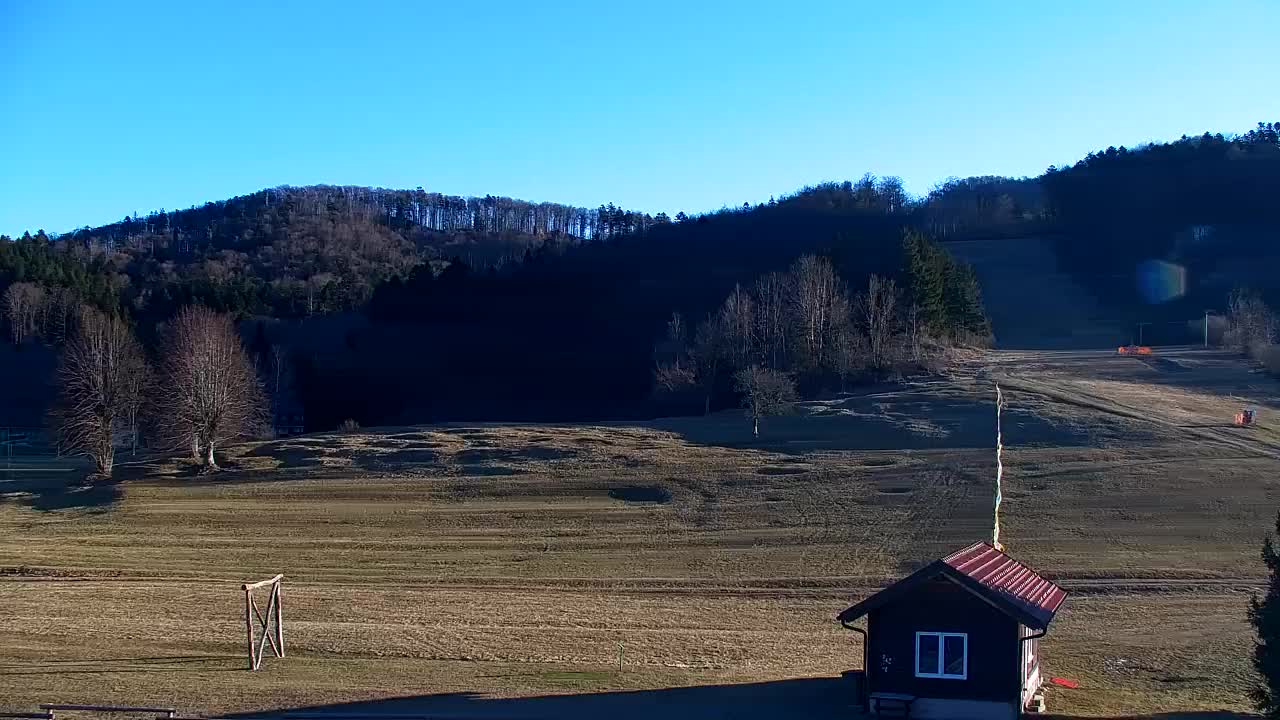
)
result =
(400, 306)
(296, 252)
(568, 333)
(562, 329)
(1206, 203)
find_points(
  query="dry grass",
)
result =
(512, 560)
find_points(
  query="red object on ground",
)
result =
(1064, 682)
(1134, 350)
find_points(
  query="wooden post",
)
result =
(248, 626)
(273, 613)
(279, 621)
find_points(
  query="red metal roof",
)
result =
(1013, 581)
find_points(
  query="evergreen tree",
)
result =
(926, 279)
(1265, 617)
(964, 299)
(945, 290)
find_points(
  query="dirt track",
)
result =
(1190, 391)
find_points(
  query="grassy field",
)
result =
(500, 570)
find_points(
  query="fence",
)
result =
(51, 708)
(164, 713)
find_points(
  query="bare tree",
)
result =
(1251, 324)
(35, 307)
(737, 326)
(279, 370)
(674, 373)
(914, 330)
(23, 306)
(877, 314)
(102, 374)
(771, 294)
(62, 312)
(764, 392)
(209, 392)
(674, 348)
(819, 305)
(135, 398)
(848, 354)
(708, 352)
(673, 379)
(14, 312)
(676, 330)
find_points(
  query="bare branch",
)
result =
(877, 313)
(209, 392)
(102, 373)
(818, 306)
(1251, 324)
(764, 392)
(23, 307)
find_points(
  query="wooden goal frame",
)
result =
(271, 623)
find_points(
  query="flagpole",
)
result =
(995, 528)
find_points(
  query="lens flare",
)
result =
(1160, 281)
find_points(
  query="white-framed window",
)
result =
(942, 655)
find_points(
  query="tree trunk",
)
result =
(105, 461)
(195, 446)
(209, 462)
(755, 426)
(706, 404)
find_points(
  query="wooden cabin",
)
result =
(958, 638)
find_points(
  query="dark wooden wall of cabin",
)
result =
(942, 606)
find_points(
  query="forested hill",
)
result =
(295, 251)
(560, 324)
(406, 306)
(1157, 233)
(1205, 204)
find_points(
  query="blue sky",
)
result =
(111, 108)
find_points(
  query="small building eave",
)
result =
(1036, 618)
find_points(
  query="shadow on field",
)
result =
(1163, 364)
(805, 697)
(484, 455)
(292, 453)
(382, 452)
(801, 697)
(897, 417)
(336, 455)
(52, 492)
